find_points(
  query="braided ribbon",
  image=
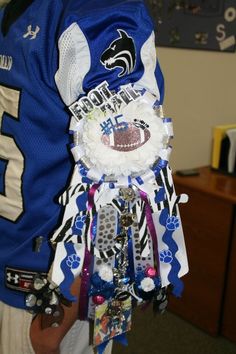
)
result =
(150, 224)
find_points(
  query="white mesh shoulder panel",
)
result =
(148, 57)
(74, 63)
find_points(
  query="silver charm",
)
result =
(39, 302)
(48, 311)
(54, 299)
(31, 300)
(55, 325)
(38, 244)
(39, 283)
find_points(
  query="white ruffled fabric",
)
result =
(113, 162)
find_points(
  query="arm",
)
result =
(113, 44)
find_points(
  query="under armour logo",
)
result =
(11, 278)
(31, 33)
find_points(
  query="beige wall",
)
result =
(200, 93)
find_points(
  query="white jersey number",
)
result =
(11, 202)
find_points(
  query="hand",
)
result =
(44, 341)
(47, 341)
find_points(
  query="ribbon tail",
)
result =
(122, 338)
(84, 287)
(173, 276)
(102, 347)
(67, 266)
(150, 225)
(143, 229)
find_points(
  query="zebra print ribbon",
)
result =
(85, 201)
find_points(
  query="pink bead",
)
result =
(151, 272)
(98, 299)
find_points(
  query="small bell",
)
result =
(126, 220)
(127, 194)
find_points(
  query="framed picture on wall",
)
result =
(195, 24)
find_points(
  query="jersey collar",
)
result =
(12, 12)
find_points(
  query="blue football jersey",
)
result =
(51, 53)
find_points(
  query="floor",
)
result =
(169, 334)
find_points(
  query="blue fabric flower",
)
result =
(141, 293)
(101, 287)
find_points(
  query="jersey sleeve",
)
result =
(121, 147)
(107, 41)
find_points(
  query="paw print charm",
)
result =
(172, 223)
(73, 261)
(166, 256)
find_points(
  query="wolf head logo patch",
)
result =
(120, 54)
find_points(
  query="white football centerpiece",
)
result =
(124, 143)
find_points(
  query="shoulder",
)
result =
(88, 13)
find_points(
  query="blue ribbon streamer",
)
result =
(94, 228)
(159, 166)
(81, 201)
(87, 180)
(160, 195)
(102, 179)
(175, 265)
(167, 120)
(120, 339)
(102, 347)
(156, 104)
(68, 275)
(129, 181)
(130, 256)
(139, 180)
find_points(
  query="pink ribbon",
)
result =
(150, 224)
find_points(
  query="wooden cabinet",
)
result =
(229, 314)
(208, 219)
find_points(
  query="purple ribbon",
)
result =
(84, 287)
(85, 281)
(150, 224)
(91, 194)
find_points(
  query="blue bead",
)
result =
(126, 280)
